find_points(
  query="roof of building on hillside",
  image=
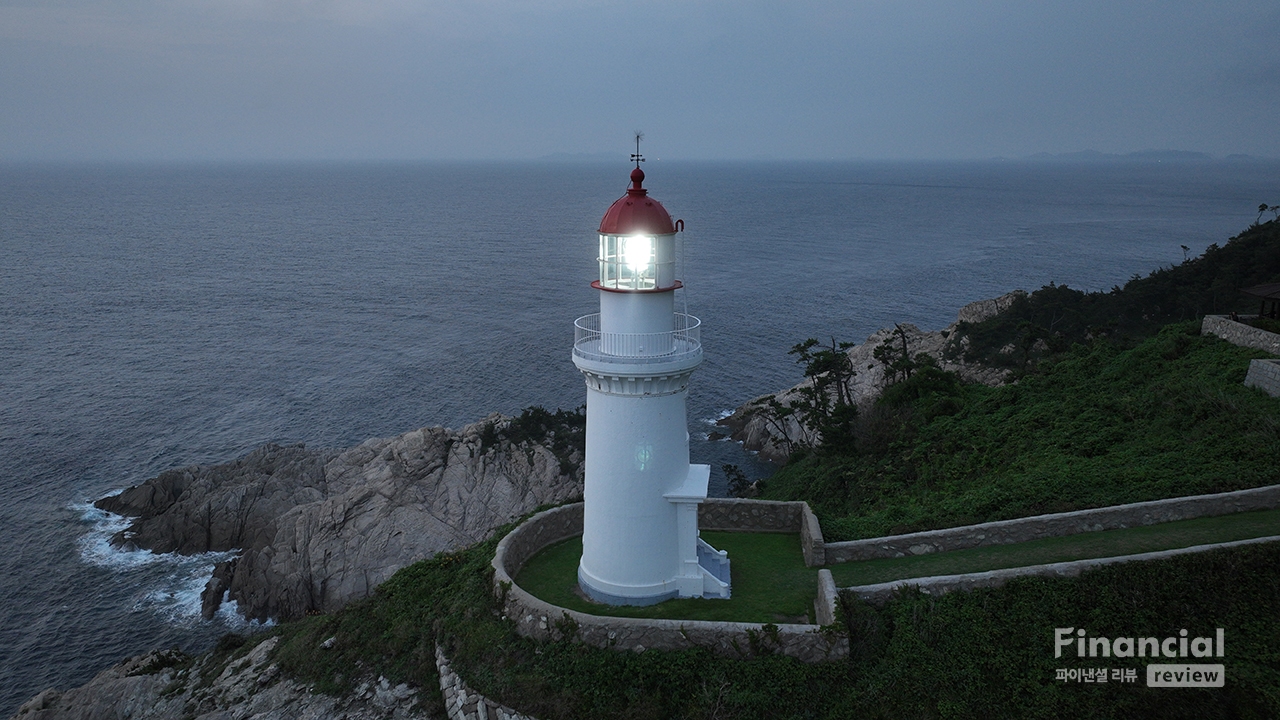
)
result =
(1266, 291)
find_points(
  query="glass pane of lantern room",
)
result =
(603, 260)
(618, 269)
(664, 258)
(609, 260)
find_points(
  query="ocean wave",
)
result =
(720, 415)
(177, 601)
(95, 545)
(229, 614)
(169, 583)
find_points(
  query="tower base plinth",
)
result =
(610, 594)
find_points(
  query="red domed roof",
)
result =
(636, 212)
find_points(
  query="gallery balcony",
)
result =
(678, 347)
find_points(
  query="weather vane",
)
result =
(636, 157)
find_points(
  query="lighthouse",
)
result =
(640, 542)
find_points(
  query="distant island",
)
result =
(1141, 156)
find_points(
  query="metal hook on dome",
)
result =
(679, 225)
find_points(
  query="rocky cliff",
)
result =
(318, 528)
(772, 437)
(165, 684)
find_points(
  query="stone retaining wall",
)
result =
(825, 605)
(766, 516)
(814, 643)
(749, 515)
(1054, 525)
(937, 585)
(1264, 375)
(463, 703)
(1238, 333)
(552, 526)
(544, 621)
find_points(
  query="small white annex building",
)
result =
(640, 541)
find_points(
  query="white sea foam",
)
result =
(177, 601)
(170, 583)
(720, 415)
(95, 545)
(229, 614)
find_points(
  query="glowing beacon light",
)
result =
(637, 251)
(640, 541)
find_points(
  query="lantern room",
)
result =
(637, 243)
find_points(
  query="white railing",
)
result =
(592, 344)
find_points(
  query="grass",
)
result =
(770, 582)
(1106, 543)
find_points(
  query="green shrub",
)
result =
(1099, 425)
(1265, 323)
(564, 432)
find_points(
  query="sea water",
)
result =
(156, 316)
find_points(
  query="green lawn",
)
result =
(770, 582)
(1107, 543)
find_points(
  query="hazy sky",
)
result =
(283, 79)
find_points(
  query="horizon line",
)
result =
(1073, 157)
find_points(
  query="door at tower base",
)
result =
(701, 570)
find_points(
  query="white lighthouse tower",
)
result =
(640, 541)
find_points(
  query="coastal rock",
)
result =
(167, 685)
(319, 528)
(772, 437)
(220, 507)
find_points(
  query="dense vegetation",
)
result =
(983, 654)
(1095, 426)
(1054, 317)
(564, 432)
